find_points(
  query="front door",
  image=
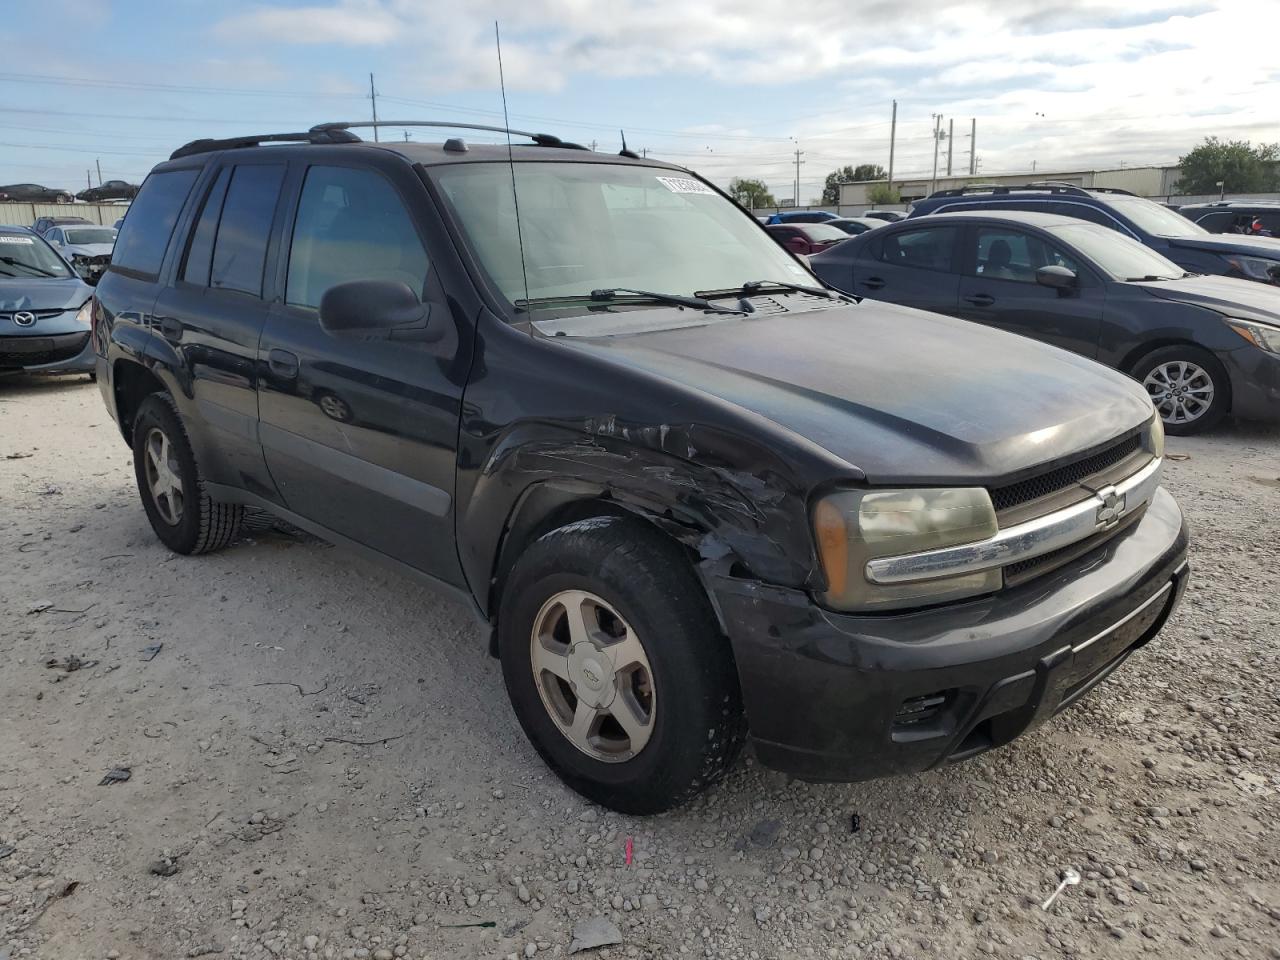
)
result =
(1000, 289)
(360, 434)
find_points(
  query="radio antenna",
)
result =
(515, 200)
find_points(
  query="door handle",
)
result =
(283, 363)
(171, 329)
(980, 300)
(875, 283)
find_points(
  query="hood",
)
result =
(47, 294)
(903, 395)
(1246, 299)
(1231, 243)
(88, 249)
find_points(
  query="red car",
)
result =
(806, 238)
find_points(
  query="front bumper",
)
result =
(842, 697)
(1255, 383)
(47, 353)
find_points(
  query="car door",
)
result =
(911, 265)
(213, 312)
(999, 288)
(55, 239)
(360, 432)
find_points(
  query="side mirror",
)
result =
(377, 309)
(1057, 277)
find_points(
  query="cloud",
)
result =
(350, 23)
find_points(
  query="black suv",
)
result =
(1254, 218)
(687, 491)
(1168, 233)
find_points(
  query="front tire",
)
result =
(184, 517)
(616, 667)
(1189, 387)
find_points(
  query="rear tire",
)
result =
(185, 518)
(677, 684)
(1188, 385)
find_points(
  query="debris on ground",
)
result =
(149, 653)
(115, 775)
(70, 663)
(596, 932)
(203, 949)
(164, 867)
(39, 607)
(1069, 879)
(6, 850)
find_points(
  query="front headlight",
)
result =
(1257, 268)
(1259, 334)
(854, 526)
(85, 314)
(1153, 436)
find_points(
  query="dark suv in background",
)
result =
(688, 491)
(1256, 218)
(1168, 233)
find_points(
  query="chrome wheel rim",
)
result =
(593, 676)
(164, 476)
(1182, 391)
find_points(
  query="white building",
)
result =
(1155, 182)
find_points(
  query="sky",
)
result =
(726, 87)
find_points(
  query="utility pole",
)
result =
(99, 171)
(593, 146)
(88, 179)
(937, 136)
(373, 98)
(973, 145)
(1033, 166)
(893, 133)
(799, 154)
(951, 142)
(406, 136)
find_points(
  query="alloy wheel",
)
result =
(1181, 391)
(593, 676)
(164, 477)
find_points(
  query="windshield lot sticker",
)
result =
(26, 240)
(684, 185)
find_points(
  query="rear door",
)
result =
(360, 432)
(999, 289)
(915, 266)
(213, 312)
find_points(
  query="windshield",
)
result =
(27, 256)
(90, 235)
(1122, 257)
(593, 226)
(1156, 220)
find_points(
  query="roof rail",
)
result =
(340, 132)
(541, 139)
(1123, 193)
(232, 143)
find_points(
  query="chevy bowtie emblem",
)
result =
(1111, 506)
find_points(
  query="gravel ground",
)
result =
(323, 764)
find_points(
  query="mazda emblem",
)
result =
(24, 318)
(1111, 506)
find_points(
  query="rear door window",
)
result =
(244, 229)
(927, 248)
(144, 236)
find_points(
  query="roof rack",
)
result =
(340, 132)
(1051, 186)
(1123, 193)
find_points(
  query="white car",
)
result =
(86, 247)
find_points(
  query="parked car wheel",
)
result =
(616, 668)
(334, 407)
(1188, 386)
(183, 515)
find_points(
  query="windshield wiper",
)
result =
(15, 262)
(752, 287)
(1148, 278)
(609, 295)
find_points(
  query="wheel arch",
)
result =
(131, 383)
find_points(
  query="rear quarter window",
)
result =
(144, 236)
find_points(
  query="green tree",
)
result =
(752, 194)
(879, 193)
(848, 174)
(1241, 166)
